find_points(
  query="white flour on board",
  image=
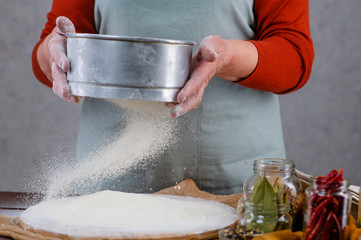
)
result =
(148, 132)
(129, 216)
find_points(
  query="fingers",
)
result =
(208, 54)
(57, 45)
(192, 93)
(203, 68)
(58, 53)
(60, 84)
(64, 25)
(211, 47)
(191, 104)
(170, 104)
(198, 81)
(59, 62)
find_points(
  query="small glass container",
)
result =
(328, 206)
(255, 217)
(280, 171)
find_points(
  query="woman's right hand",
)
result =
(53, 60)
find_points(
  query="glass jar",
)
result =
(256, 217)
(281, 172)
(328, 206)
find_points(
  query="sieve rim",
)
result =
(129, 39)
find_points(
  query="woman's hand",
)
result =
(209, 59)
(228, 59)
(53, 60)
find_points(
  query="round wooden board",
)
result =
(185, 188)
(204, 235)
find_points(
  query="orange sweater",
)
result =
(283, 41)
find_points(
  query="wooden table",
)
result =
(14, 203)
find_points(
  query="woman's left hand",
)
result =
(210, 58)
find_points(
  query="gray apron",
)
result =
(233, 125)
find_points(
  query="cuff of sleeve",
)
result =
(278, 69)
(256, 79)
(36, 67)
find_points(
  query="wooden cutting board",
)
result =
(185, 188)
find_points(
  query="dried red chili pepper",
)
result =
(316, 214)
(327, 228)
(340, 175)
(326, 213)
(316, 230)
(320, 199)
(331, 176)
(320, 180)
(342, 203)
(336, 230)
(335, 204)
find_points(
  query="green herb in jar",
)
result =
(266, 207)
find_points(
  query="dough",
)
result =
(111, 213)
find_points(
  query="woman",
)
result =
(249, 51)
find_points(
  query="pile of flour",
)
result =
(148, 133)
(129, 215)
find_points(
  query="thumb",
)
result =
(207, 53)
(210, 48)
(65, 25)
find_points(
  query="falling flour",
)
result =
(148, 132)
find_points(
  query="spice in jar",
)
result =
(237, 234)
(328, 207)
(267, 208)
(280, 175)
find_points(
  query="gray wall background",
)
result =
(322, 121)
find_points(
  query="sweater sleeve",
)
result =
(80, 12)
(284, 45)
